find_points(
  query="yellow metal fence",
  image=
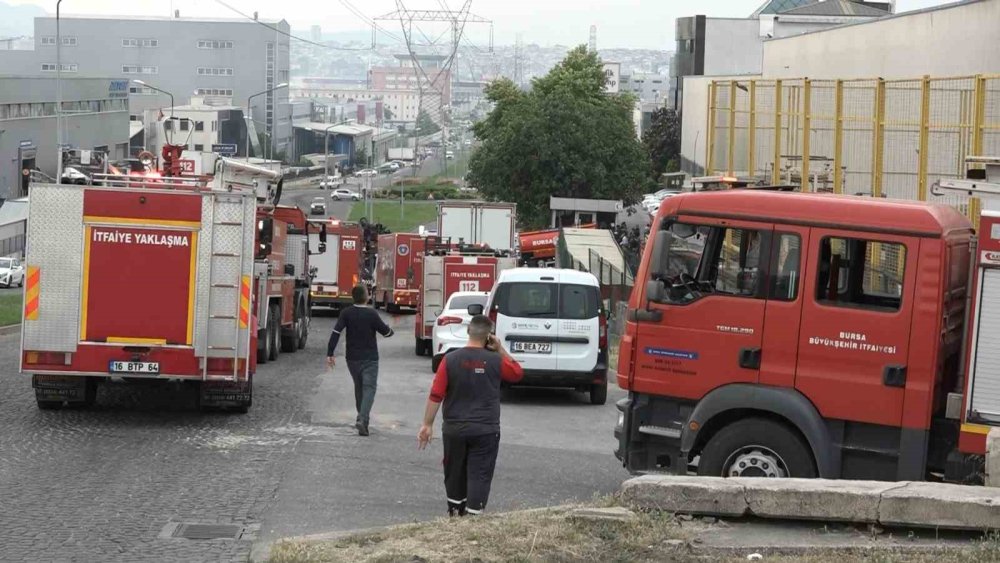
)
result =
(874, 137)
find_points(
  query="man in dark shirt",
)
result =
(361, 322)
(468, 383)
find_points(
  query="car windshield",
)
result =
(5, 263)
(462, 302)
(549, 300)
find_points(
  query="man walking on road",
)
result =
(362, 323)
(468, 382)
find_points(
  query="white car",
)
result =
(11, 272)
(329, 182)
(451, 331)
(317, 207)
(366, 172)
(448, 155)
(554, 324)
(341, 193)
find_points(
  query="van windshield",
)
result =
(549, 300)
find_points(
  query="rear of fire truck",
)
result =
(144, 279)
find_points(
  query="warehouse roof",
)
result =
(835, 8)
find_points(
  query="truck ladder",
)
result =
(988, 186)
(225, 273)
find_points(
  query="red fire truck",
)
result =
(806, 335)
(538, 248)
(398, 271)
(160, 276)
(337, 270)
(448, 268)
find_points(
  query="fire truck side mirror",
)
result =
(322, 247)
(322, 234)
(661, 246)
(266, 227)
(655, 291)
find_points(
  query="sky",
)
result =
(639, 24)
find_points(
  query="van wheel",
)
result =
(756, 447)
(599, 393)
(274, 321)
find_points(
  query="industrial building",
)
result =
(199, 125)
(95, 117)
(230, 58)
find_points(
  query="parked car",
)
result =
(448, 155)
(317, 207)
(366, 172)
(11, 272)
(399, 164)
(553, 323)
(451, 330)
(342, 193)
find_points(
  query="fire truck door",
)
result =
(784, 305)
(856, 322)
(712, 316)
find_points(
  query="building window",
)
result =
(168, 125)
(214, 125)
(185, 125)
(140, 69)
(199, 147)
(66, 67)
(66, 41)
(212, 71)
(214, 44)
(139, 42)
(199, 126)
(861, 273)
(141, 90)
(215, 91)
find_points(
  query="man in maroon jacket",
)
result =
(468, 383)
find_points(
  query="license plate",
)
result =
(532, 347)
(134, 367)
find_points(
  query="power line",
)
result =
(347, 4)
(289, 35)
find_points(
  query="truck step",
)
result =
(662, 431)
(223, 348)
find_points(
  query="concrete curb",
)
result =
(906, 504)
(10, 329)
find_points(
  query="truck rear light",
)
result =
(46, 358)
(603, 333)
(445, 321)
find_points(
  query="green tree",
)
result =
(425, 125)
(564, 138)
(663, 141)
(387, 114)
(361, 158)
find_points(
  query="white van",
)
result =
(552, 322)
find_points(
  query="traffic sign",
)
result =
(225, 149)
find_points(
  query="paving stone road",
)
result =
(112, 482)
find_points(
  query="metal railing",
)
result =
(873, 137)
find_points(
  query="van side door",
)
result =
(855, 332)
(711, 316)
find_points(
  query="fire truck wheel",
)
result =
(275, 321)
(290, 337)
(264, 344)
(756, 447)
(303, 336)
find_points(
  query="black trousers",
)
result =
(469, 462)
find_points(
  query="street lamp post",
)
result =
(326, 150)
(250, 111)
(59, 134)
(145, 85)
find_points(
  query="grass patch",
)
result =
(535, 535)
(10, 309)
(415, 213)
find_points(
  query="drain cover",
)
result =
(208, 531)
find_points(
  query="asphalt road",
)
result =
(109, 483)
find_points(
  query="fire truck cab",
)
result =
(799, 335)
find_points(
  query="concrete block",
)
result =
(940, 505)
(814, 499)
(993, 458)
(612, 514)
(716, 496)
